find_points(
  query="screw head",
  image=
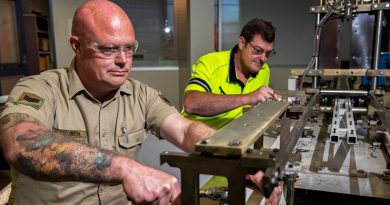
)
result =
(234, 143)
(205, 141)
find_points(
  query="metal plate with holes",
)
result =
(332, 72)
(236, 137)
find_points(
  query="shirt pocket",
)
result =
(129, 141)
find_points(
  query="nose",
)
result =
(120, 58)
(263, 57)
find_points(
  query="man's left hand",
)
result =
(276, 193)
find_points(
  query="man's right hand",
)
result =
(262, 94)
(145, 185)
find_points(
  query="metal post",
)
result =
(377, 47)
(316, 54)
(190, 186)
(289, 180)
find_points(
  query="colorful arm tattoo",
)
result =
(48, 155)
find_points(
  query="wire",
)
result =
(316, 43)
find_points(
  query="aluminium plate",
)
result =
(237, 136)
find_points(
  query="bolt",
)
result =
(271, 155)
(205, 141)
(234, 142)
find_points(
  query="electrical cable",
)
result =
(316, 44)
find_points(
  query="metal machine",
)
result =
(333, 126)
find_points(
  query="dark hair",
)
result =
(258, 26)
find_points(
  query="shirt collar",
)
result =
(232, 70)
(75, 85)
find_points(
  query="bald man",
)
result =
(71, 135)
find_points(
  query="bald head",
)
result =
(99, 20)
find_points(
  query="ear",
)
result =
(241, 43)
(75, 44)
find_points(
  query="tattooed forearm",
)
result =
(48, 155)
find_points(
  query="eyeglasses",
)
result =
(260, 51)
(112, 51)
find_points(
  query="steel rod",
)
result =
(343, 92)
(354, 109)
(377, 47)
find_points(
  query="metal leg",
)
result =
(289, 180)
(234, 168)
(189, 187)
(236, 187)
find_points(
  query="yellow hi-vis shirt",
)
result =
(215, 73)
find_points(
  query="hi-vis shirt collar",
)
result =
(75, 85)
(232, 70)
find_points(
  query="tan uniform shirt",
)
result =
(64, 104)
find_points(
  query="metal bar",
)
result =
(336, 72)
(189, 186)
(351, 129)
(296, 132)
(284, 130)
(343, 92)
(379, 73)
(273, 174)
(336, 117)
(236, 187)
(316, 54)
(361, 110)
(237, 136)
(381, 6)
(289, 188)
(377, 47)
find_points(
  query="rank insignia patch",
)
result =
(31, 100)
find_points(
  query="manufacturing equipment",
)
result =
(332, 130)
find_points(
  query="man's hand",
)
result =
(145, 185)
(263, 94)
(276, 193)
